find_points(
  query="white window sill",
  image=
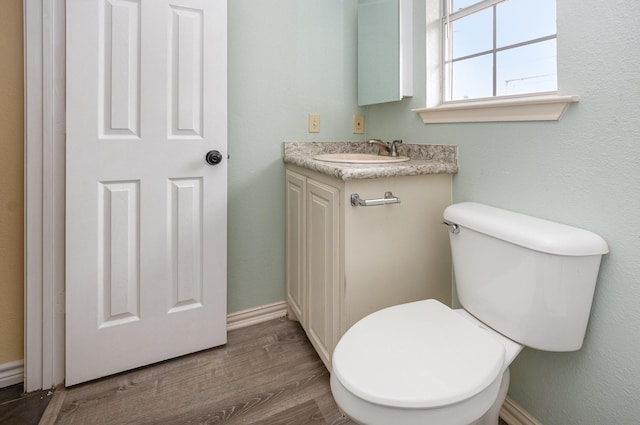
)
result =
(532, 108)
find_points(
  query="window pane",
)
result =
(522, 20)
(473, 33)
(461, 4)
(527, 69)
(472, 78)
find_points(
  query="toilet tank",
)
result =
(530, 279)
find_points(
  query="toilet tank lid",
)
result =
(530, 232)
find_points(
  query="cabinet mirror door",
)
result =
(384, 51)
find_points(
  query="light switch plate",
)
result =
(314, 123)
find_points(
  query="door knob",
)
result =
(213, 157)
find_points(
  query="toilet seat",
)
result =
(420, 355)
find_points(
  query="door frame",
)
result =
(44, 193)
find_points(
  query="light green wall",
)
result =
(291, 57)
(287, 58)
(584, 171)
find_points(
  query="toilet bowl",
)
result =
(521, 280)
(420, 363)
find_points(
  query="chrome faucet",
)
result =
(386, 149)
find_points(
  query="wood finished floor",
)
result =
(18, 408)
(266, 374)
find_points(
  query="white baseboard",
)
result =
(513, 414)
(11, 373)
(256, 315)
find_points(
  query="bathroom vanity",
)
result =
(345, 262)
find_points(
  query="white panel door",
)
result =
(145, 213)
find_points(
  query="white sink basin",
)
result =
(360, 158)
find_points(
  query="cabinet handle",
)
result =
(356, 201)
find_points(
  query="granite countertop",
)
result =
(425, 159)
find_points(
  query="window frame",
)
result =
(449, 17)
(548, 106)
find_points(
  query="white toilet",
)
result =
(522, 281)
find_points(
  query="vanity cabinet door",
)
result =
(296, 223)
(345, 262)
(322, 268)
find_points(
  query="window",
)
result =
(492, 60)
(498, 48)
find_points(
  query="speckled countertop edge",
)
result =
(425, 159)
